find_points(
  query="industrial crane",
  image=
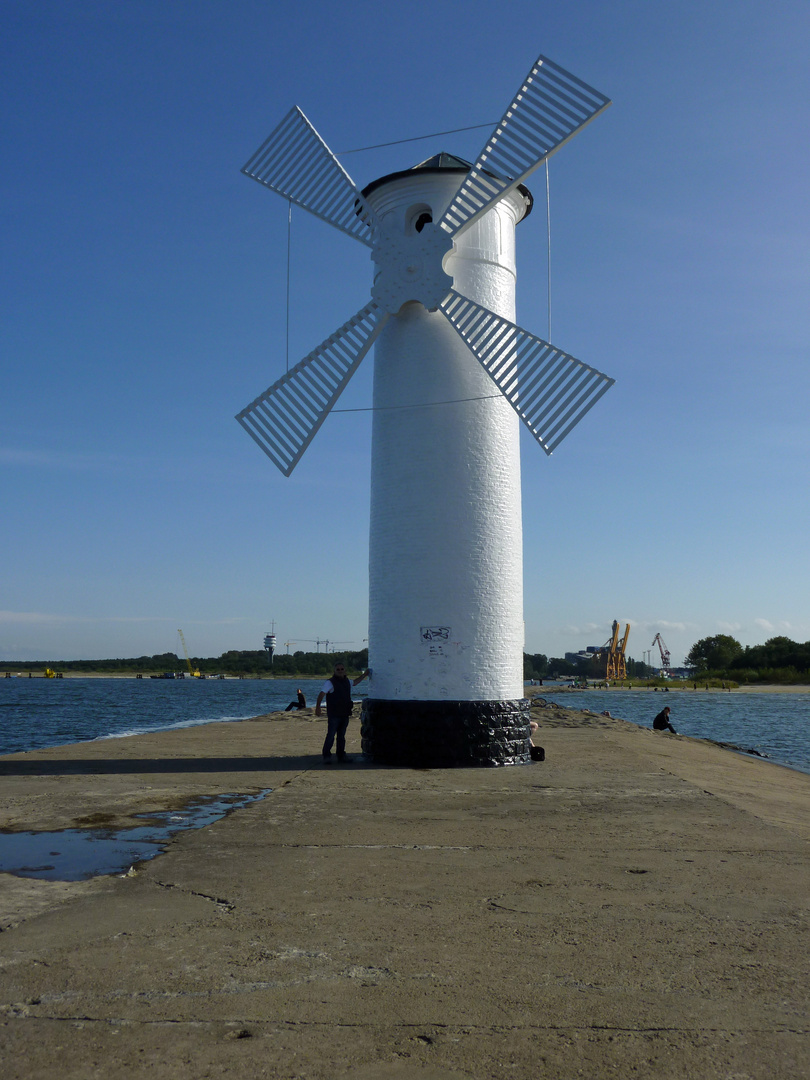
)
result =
(616, 667)
(326, 642)
(317, 642)
(194, 674)
(659, 641)
(329, 642)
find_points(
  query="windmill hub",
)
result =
(409, 268)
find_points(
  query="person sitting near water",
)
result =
(661, 722)
(301, 703)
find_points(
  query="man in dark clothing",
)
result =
(661, 722)
(301, 703)
(338, 694)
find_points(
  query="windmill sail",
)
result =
(549, 389)
(285, 418)
(295, 162)
(549, 108)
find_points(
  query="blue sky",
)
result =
(143, 302)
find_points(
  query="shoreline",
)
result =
(185, 725)
(532, 693)
(182, 677)
(725, 744)
(758, 688)
(673, 687)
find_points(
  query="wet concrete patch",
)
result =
(79, 854)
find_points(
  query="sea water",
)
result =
(37, 713)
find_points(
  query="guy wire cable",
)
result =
(289, 230)
(548, 259)
(416, 138)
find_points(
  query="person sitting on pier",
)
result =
(301, 703)
(661, 722)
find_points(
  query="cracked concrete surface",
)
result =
(635, 905)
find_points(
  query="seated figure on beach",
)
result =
(301, 703)
(661, 722)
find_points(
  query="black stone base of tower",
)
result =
(444, 734)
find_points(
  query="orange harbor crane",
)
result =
(616, 667)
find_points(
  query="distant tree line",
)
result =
(255, 663)
(779, 660)
(251, 663)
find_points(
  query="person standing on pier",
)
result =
(338, 694)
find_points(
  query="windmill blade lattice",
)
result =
(295, 162)
(285, 418)
(550, 390)
(551, 106)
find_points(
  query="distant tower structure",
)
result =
(454, 377)
(665, 658)
(270, 645)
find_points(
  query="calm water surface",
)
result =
(36, 713)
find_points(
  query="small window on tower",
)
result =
(418, 217)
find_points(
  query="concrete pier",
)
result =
(635, 905)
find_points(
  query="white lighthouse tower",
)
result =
(445, 547)
(453, 377)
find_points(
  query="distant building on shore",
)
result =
(587, 656)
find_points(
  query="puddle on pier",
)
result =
(79, 854)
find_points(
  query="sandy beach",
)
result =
(636, 904)
(773, 688)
